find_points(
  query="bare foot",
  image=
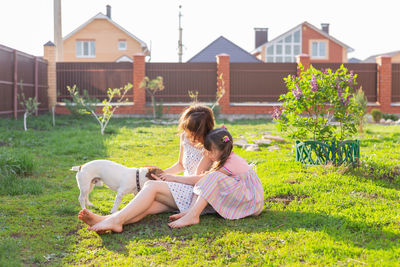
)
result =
(89, 217)
(186, 220)
(110, 223)
(176, 216)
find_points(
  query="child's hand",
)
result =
(164, 177)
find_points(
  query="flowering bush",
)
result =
(314, 99)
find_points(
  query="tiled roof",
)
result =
(223, 45)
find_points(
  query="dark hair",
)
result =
(221, 140)
(198, 120)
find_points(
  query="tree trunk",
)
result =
(153, 101)
(25, 117)
(53, 115)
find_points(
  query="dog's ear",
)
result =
(153, 170)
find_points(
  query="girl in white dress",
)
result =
(161, 196)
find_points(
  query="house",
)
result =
(100, 39)
(395, 55)
(302, 39)
(223, 45)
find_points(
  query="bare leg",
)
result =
(152, 191)
(91, 218)
(181, 214)
(192, 216)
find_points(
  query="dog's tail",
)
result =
(76, 168)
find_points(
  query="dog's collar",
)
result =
(137, 180)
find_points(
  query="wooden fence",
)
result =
(259, 82)
(396, 82)
(95, 77)
(21, 73)
(366, 76)
(180, 78)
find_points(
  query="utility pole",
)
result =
(180, 45)
(58, 41)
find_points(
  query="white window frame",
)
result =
(91, 49)
(283, 44)
(319, 42)
(122, 42)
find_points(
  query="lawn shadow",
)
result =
(380, 173)
(151, 229)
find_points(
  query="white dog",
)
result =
(119, 178)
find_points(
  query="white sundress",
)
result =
(183, 193)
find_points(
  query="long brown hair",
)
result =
(221, 140)
(198, 120)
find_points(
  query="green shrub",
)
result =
(376, 114)
(388, 116)
(16, 164)
(313, 97)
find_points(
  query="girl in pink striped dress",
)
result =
(232, 187)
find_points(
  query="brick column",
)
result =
(139, 94)
(384, 86)
(304, 60)
(50, 55)
(223, 68)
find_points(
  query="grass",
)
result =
(321, 215)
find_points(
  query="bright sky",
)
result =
(368, 26)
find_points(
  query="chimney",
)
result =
(108, 11)
(325, 27)
(261, 36)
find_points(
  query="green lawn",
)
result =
(312, 215)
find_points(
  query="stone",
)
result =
(397, 122)
(240, 142)
(262, 142)
(389, 121)
(382, 120)
(273, 138)
(252, 147)
(272, 148)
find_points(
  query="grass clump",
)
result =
(16, 163)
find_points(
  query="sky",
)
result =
(368, 26)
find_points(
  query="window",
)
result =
(297, 37)
(279, 49)
(122, 45)
(285, 48)
(85, 49)
(270, 50)
(318, 49)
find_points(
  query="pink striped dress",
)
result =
(234, 196)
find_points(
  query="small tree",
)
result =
(361, 103)
(220, 90)
(108, 108)
(153, 86)
(30, 105)
(312, 98)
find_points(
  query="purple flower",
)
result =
(297, 92)
(350, 80)
(277, 113)
(314, 85)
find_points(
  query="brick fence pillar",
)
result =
(223, 69)
(304, 60)
(50, 55)
(139, 94)
(384, 86)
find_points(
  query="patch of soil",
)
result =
(291, 181)
(285, 199)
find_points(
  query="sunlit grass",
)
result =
(322, 215)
